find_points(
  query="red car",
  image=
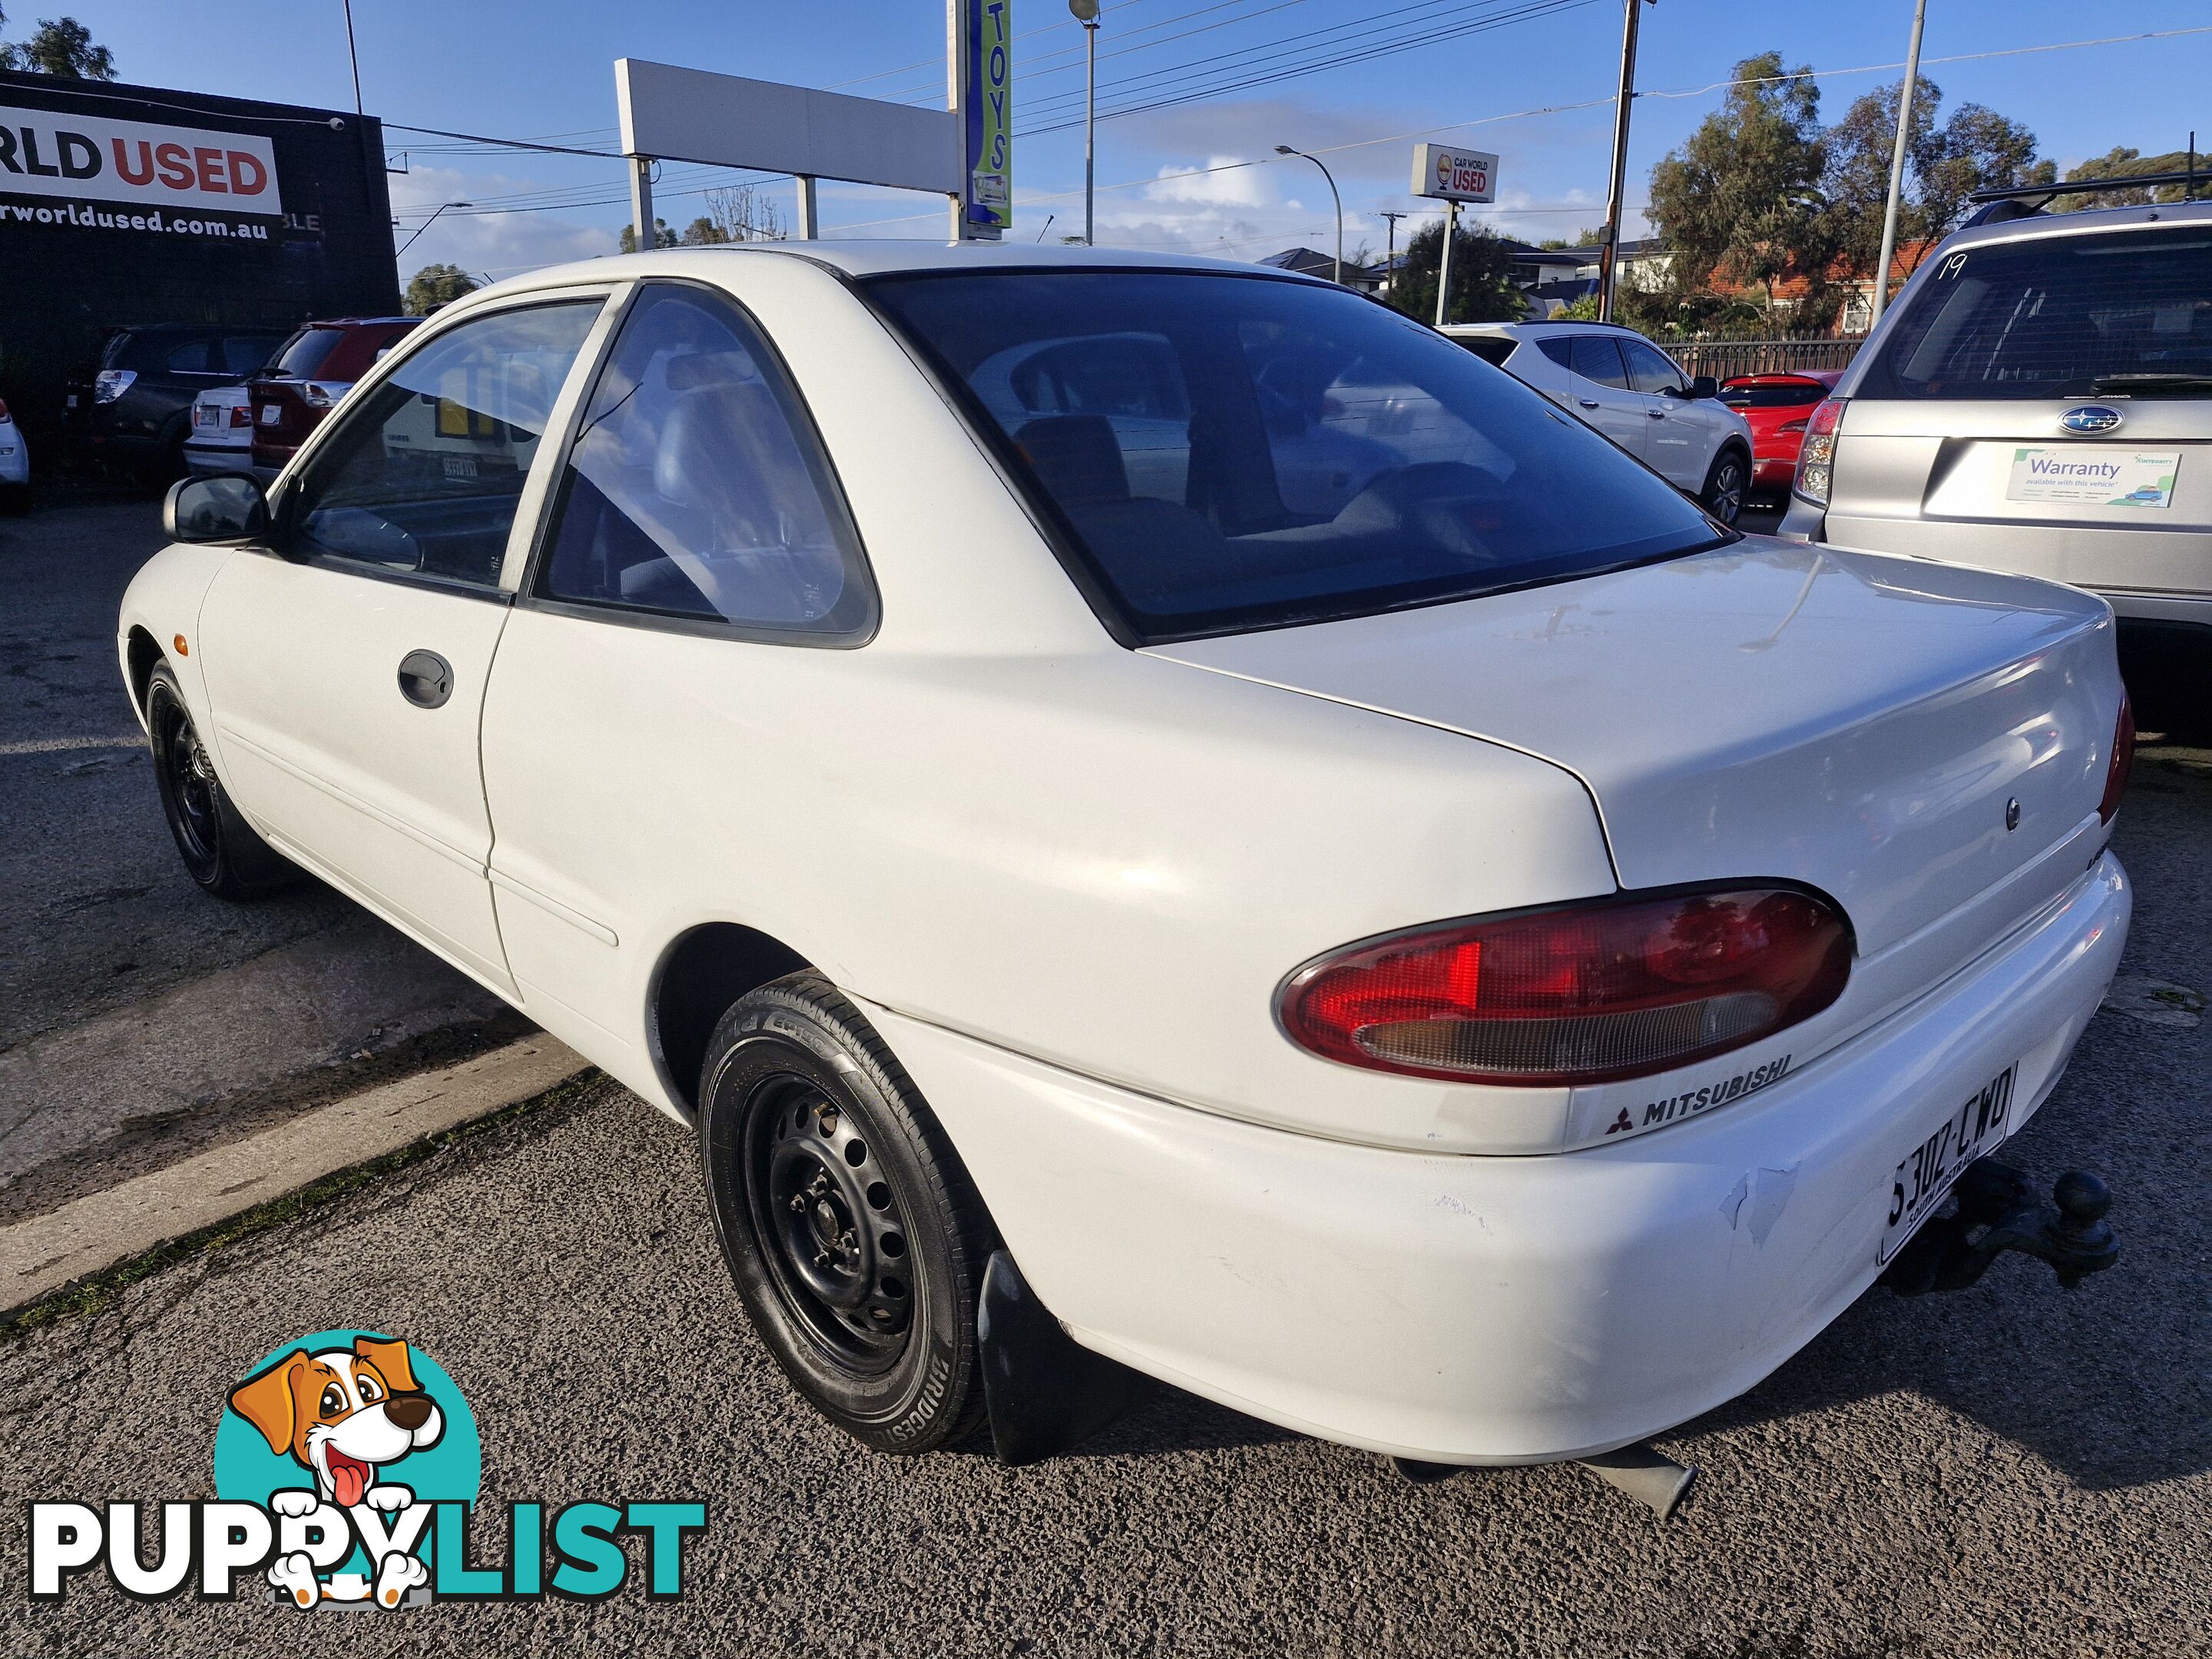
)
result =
(1777, 406)
(309, 373)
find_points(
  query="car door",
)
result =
(1601, 391)
(1679, 438)
(346, 663)
(697, 545)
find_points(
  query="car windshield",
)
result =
(1219, 453)
(1773, 394)
(2056, 317)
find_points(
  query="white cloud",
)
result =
(1225, 181)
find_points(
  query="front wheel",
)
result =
(1722, 495)
(854, 1235)
(220, 850)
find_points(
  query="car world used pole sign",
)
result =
(1454, 175)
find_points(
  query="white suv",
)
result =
(1634, 393)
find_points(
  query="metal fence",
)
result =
(1722, 358)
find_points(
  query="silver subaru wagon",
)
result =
(2039, 400)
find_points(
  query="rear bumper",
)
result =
(201, 458)
(1478, 1309)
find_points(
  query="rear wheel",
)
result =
(1722, 495)
(854, 1235)
(220, 850)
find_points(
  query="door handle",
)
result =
(425, 680)
(1656, 414)
(1588, 402)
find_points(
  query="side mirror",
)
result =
(1704, 387)
(224, 507)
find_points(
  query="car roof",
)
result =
(2034, 227)
(355, 322)
(1538, 330)
(887, 257)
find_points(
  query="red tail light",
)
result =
(4, 408)
(1585, 993)
(1791, 426)
(242, 414)
(2123, 756)
(1816, 460)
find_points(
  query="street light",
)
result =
(430, 222)
(1285, 150)
(1085, 12)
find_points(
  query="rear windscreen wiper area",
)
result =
(2153, 386)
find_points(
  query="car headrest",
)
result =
(711, 434)
(1077, 458)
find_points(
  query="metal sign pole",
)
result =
(641, 202)
(1905, 90)
(1443, 264)
(1608, 253)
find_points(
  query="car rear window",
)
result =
(245, 354)
(2056, 317)
(1488, 347)
(1274, 452)
(1773, 394)
(303, 354)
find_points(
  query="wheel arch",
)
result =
(142, 652)
(700, 973)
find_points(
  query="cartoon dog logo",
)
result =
(345, 1415)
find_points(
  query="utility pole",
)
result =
(1086, 13)
(353, 58)
(1608, 254)
(1390, 247)
(1897, 167)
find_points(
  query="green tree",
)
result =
(1482, 289)
(1741, 201)
(436, 285)
(662, 236)
(2121, 162)
(701, 232)
(62, 47)
(1976, 149)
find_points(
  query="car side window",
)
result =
(697, 488)
(192, 357)
(245, 354)
(1597, 359)
(1651, 369)
(424, 474)
(1560, 348)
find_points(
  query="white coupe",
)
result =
(1168, 803)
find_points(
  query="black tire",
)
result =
(854, 1232)
(220, 850)
(1725, 485)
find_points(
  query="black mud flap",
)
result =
(1995, 1211)
(1047, 1392)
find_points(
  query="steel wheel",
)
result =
(837, 1240)
(219, 848)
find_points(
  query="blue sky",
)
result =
(544, 68)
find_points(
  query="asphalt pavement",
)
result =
(2010, 1471)
(139, 1019)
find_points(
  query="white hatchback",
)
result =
(1633, 392)
(1384, 915)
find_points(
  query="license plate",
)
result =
(204, 415)
(1972, 1127)
(271, 413)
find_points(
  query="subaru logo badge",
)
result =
(2090, 418)
(2012, 814)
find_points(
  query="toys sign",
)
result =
(1454, 175)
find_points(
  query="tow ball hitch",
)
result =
(1996, 1210)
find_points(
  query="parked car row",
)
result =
(198, 397)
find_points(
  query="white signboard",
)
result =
(1454, 175)
(43, 153)
(2102, 475)
(695, 115)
